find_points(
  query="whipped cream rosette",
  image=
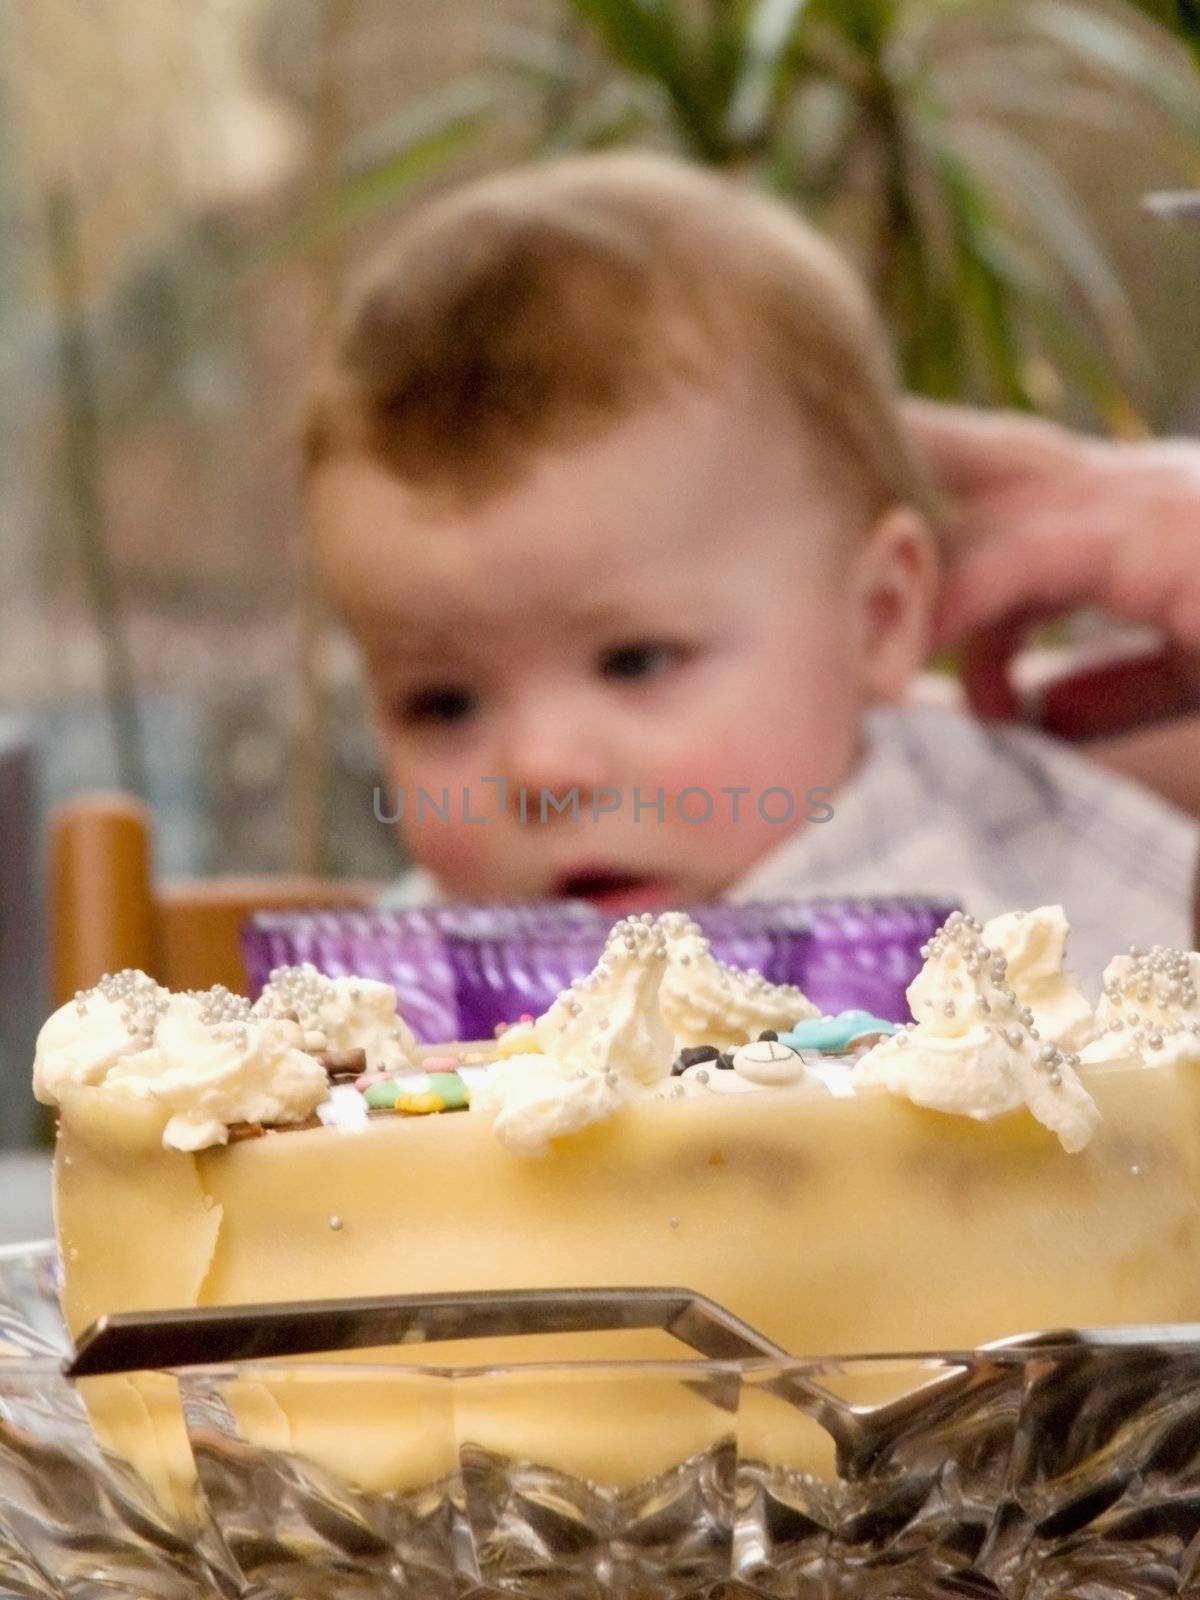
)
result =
(338, 1014)
(533, 1099)
(603, 1039)
(708, 1002)
(1149, 989)
(211, 1077)
(1034, 947)
(976, 1047)
(202, 1059)
(82, 1041)
(1148, 1010)
(612, 1021)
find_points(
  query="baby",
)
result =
(608, 479)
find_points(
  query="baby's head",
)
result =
(607, 478)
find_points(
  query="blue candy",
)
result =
(833, 1035)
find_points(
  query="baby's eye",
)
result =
(642, 658)
(437, 705)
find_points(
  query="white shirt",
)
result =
(993, 817)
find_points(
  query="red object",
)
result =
(1108, 700)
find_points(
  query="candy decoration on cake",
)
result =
(419, 1094)
(837, 1035)
(769, 1062)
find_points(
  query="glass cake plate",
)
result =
(1064, 1465)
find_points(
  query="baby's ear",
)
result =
(897, 574)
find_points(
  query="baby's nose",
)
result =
(555, 746)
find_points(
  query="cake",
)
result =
(1013, 1159)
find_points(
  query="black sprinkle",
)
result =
(694, 1055)
(769, 1034)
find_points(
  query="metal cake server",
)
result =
(215, 1335)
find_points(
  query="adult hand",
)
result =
(1040, 522)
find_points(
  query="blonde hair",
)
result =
(523, 312)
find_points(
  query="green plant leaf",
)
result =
(867, 25)
(1005, 83)
(911, 274)
(1127, 54)
(814, 142)
(900, 118)
(1072, 350)
(768, 47)
(655, 39)
(617, 112)
(381, 171)
(1045, 202)
(1002, 292)
(546, 59)
(985, 297)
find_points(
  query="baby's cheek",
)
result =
(705, 769)
(446, 823)
(711, 798)
(462, 855)
(751, 778)
(744, 752)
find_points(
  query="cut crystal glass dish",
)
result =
(1063, 1466)
(459, 970)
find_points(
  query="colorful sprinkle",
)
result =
(450, 1089)
(420, 1094)
(518, 1040)
(368, 1078)
(835, 1035)
(427, 1104)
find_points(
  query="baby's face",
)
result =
(642, 667)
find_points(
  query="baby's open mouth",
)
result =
(614, 890)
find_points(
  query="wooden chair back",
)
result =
(107, 910)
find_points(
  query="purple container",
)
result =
(460, 970)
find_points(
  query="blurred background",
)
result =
(184, 185)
